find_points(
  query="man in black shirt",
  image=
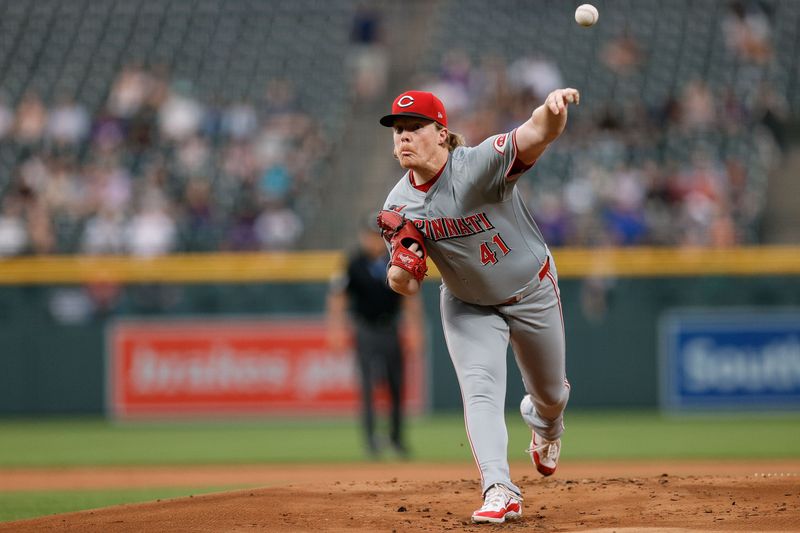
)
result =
(377, 312)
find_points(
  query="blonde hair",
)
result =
(454, 140)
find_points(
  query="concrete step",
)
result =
(362, 169)
(781, 223)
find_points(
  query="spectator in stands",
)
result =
(239, 121)
(454, 78)
(702, 190)
(623, 212)
(698, 106)
(151, 188)
(658, 203)
(551, 217)
(68, 123)
(13, 230)
(142, 128)
(733, 115)
(192, 157)
(40, 227)
(278, 227)
(239, 162)
(622, 54)
(702, 176)
(722, 230)
(108, 185)
(489, 82)
(129, 91)
(275, 182)
(580, 199)
(33, 176)
(200, 228)
(181, 115)
(747, 32)
(367, 58)
(151, 231)
(279, 99)
(108, 133)
(535, 74)
(31, 119)
(64, 191)
(241, 234)
(104, 233)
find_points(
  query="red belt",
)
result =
(542, 273)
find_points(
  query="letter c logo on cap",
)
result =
(405, 101)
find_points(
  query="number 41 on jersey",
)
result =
(488, 253)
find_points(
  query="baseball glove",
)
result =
(400, 233)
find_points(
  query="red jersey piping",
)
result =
(425, 187)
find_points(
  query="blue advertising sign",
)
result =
(730, 359)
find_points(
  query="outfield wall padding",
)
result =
(52, 353)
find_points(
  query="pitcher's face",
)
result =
(416, 141)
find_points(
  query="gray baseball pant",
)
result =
(477, 337)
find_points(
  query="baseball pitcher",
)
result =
(461, 206)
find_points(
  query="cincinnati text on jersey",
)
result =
(438, 229)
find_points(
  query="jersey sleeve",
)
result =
(493, 165)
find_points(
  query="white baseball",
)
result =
(586, 15)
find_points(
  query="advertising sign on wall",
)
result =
(196, 368)
(736, 359)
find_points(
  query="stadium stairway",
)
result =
(362, 168)
(781, 216)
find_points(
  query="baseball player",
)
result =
(499, 282)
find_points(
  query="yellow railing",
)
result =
(320, 265)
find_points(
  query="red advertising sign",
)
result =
(226, 367)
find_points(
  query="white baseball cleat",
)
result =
(499, 504)
(544, 454)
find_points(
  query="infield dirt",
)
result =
(377, 497)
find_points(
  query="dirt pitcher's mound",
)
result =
(622, 497)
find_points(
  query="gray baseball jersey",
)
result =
(478, 231)
(499, 286)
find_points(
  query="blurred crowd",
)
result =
(156, 170)
(159, 169)
(688, 170)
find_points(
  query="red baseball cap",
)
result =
(419, 104)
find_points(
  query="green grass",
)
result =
(589, 435)
(21, 505)
(54, 442)
(644, 435)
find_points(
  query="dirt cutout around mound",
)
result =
(401, 497)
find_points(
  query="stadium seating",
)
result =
(680, 46)
(215, 54)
